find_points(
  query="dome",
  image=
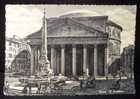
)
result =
(80, 13)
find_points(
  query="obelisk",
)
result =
(44, 62)
(44, 37)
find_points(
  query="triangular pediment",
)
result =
(72, 28)
(68, 28)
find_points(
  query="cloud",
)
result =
(127, 38)
(122, 17)
(22, 21)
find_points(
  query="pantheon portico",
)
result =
(78, 44)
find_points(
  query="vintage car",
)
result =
(69, 85)
(87, 82)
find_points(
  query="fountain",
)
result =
(44, 62)
(45, 74)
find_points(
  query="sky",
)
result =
(22, 20)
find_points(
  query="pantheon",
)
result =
(78, 43)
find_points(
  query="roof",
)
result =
(59, 22)
(77, 17)
(35, 34)
(109, 22)
(87, 13)
(80, 13)
(14, 39)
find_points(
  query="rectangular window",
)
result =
(18, 45)
(10, 48)
(10, 43)
(10, 55)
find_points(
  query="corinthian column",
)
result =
(36, 59)
(106, 61)
(63, 59)
(85, 59)
(52, 57)
(74, 59)
(32, 61)
(95, 60)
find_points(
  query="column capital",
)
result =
(95, 45)
(52, 46)
(105, 45)
(74, 45)
(37, 47)
(62, 46)
(34, 47)
(84, 45)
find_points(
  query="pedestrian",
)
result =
(38, 88)
(6, 87)
(25, 90)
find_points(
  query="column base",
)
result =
(100, 78)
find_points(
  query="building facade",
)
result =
(127, 61)
(78, 44)
(16, 55)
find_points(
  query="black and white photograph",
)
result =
(54, 50)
